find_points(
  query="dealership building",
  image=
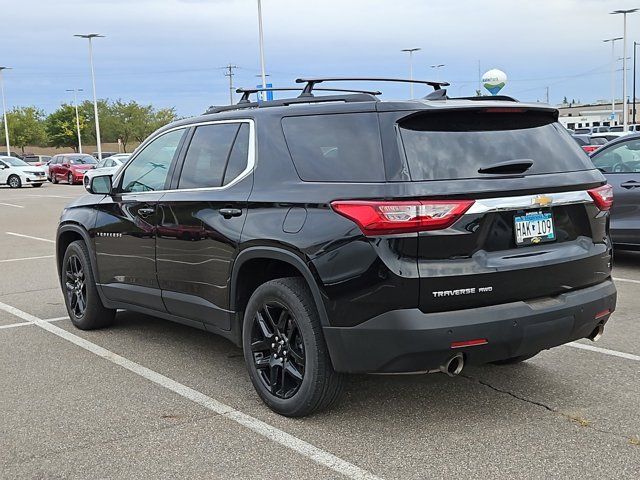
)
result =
(594, 114)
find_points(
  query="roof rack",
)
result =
(488, 98)
(246, 92)
(311, 82)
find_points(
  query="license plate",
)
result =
(533, 228)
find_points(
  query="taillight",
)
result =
(383, 218)
(602, 196)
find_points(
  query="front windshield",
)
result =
(14, 162)
(83, 161)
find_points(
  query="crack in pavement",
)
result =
(577, 420)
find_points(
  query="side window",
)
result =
(149, 170)
(206, 159)
(239, 155)
(623, 158)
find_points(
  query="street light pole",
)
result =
(437, 68)
(635, 45)
(75, 104)
(263, 70)
(90, 37)
(410, 52)
(4, 111)
(625, 114)
(613, 75)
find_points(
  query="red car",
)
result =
(70, 167)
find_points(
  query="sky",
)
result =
(169, 53)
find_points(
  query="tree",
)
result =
(61, 127)
(26, 127)
(565, 101)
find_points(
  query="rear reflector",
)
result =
(384, 218)
(602, 196)
(469, 343)
(602, 314)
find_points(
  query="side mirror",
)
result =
(100, 185)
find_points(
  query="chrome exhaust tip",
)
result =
(454, 365)
(597, 333)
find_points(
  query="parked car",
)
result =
(70, 167)
(108, 165)
(37, 160)
(594, 144)
(17, 173)
(104, 154)
(619, 160)
(370, 237)
(609, 136)
(620, 128)
(591, 130)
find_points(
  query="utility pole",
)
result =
(625, 112)
(547, 90)
(229, 73)
(4, 111)
(263, 70)
(635, 44)
(75, 104)
(613, 76)
(479, 79)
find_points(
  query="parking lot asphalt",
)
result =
(147, 398)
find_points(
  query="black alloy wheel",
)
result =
(75, 285)
(277, 347)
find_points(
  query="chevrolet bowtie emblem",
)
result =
(541, 200)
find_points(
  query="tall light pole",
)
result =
(4, 111)
(625, 112)
(410, 52)
(90, 37)
(75, 104)
(263, 70)
(635, 46)
(437, 68)
(613, 75)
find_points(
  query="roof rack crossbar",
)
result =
(311, 82)
(246, 92)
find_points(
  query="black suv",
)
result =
(341, 234)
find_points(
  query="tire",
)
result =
(54, 179)
(320, 386)
(514, 360)
(36, 185)
(14, 181)
(76, 277)
(70, 179)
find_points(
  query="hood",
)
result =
(29, 168)
(81, 167)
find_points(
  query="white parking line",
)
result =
(605, 351)
(618, 279)
(25, 258)
(29, 236)
(11, 205)
(22, 324)
(274, 434)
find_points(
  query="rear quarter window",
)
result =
(335, 148)
(457, 144)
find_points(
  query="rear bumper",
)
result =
(411, 341)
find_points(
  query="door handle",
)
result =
(145, 212)
(631, 184)
(230, 212)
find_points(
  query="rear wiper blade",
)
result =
(518, 165)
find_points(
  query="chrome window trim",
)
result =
(251, 157)
(529, 201)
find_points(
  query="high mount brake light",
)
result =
(602, 196)
(388, 217)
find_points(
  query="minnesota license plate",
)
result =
(533, 228)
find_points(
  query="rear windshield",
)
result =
(617, 129)
(335, 148)
(453, 145)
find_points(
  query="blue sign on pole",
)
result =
(265, 96)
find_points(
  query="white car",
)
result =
(17, 173)
(109, 165)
